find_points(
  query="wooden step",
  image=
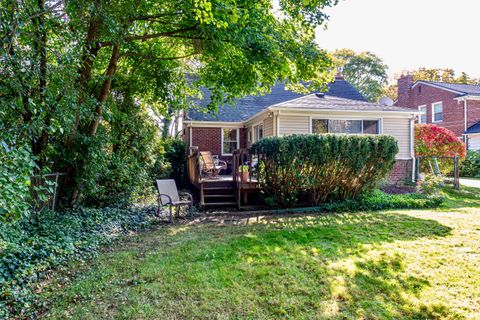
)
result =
(219, 196)
(217, 188)
(210, 204)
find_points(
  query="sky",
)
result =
(408, 34)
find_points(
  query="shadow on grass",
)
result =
(322, 267)
(296, 265)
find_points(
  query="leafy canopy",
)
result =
(365, 71)
(79, 75)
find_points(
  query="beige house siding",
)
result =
(399, 128)
(268, 127)
(293, 124)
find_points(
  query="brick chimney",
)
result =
(405, 83)
(339, 75)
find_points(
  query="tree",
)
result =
(65, 63)
(365, 71)
(435, 141)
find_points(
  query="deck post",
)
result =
(202, 196)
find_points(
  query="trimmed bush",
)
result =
(320, 168)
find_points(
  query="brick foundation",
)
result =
(401, 172)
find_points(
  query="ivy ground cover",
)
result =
(400, 264)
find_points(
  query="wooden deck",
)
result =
(221, 190)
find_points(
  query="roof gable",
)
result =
(461, 89)
(248, 106)
(473, 129)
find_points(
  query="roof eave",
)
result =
(436, 86)
(406, 112)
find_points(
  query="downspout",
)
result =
(190, 135)
(412, 148)
(465, 115)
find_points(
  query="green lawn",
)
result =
(382, 265)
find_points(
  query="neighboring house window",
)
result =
(320, 126)
(437, 112)
(258, 132)
(229, 141)
(422, 119)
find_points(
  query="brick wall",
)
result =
(401, 172)
(210, 139)
(453, 110)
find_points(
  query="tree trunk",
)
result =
(40, 144)
(105, 91)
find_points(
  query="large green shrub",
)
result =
(318, 168)
(471, 165)
(176, 156)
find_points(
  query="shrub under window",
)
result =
(319, 168)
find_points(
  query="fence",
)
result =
(47, 191)
(435, 168)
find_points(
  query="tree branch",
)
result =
(149, 36)
(146, 56)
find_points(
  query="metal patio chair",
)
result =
(168, 195)
(210, 166)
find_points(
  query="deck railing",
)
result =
(193, 166)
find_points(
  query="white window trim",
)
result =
(254, 131)
(433, 112)
(238, 141)
(380, 122)
(420, 116)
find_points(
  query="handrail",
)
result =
(193, 166)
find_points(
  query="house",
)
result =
(450, 105)
(341, 109)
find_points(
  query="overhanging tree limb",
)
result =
(149, 36)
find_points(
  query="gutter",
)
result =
(412, 149)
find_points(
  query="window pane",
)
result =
(229, 140)
(370, 126)
(345, 126)
(319, 126)
(438, 112)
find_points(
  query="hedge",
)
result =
(313, 169)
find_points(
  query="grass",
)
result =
(421, 264)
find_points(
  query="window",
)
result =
(423, 117)
(258, 132)
(320, 126)
(437, 112)
(229, 141)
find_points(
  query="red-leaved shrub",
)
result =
(435, 141)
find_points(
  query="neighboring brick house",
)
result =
(342, 109)
(450, 105)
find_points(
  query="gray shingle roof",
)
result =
(314, 101)
(462, 89)
(251, 105)
(473, 129)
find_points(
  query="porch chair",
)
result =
(211, 167)
(168, 195)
